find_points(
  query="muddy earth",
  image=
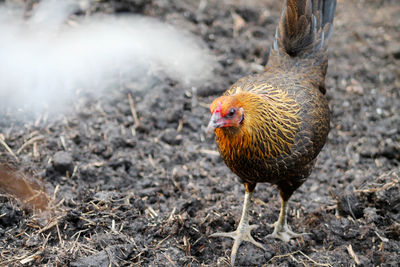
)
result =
(149, 192)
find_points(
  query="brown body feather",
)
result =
(285, 126)
(286, 114)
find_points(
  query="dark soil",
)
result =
(150, 194)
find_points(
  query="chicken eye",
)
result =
(231, 112)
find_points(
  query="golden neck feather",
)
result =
(268, 128)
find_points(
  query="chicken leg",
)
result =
(282, 230)
(242, 233)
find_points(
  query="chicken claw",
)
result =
(282, 230)
(243, 232)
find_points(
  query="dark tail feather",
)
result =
(305, 27)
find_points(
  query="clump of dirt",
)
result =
(147, 189)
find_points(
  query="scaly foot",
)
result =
(281, 229)
(283, 232)
(242, 233)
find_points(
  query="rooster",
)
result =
(270, 127)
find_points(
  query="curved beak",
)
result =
(215, 122)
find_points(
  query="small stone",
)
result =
(62, 162)
(171, 137)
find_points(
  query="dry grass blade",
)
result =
(4, 144)
(378, 189)
(313, 261)
(133, 110)
(59, 236)
(33, 140)
(151, 212)
(282, 256)
(29, 259)
(50, 225)
(169, 259)
(353, 254)
(209, 152)
(291, 255)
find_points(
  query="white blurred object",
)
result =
(44, 61)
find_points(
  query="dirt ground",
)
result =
(123, 194)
